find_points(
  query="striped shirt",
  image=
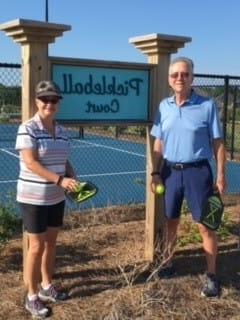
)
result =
(52, 154)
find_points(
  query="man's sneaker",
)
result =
(52, 294)
(37, 308)
(211, 286)
(166, 272)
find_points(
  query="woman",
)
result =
(45, 175)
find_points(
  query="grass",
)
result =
(100, 260)
(10, 223)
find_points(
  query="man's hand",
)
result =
(221, 184)
(156, 180)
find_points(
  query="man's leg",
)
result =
(171, 237)
(211, 286)
(210, 247)
(166, 267)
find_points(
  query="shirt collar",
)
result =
(37, 119)
(191, 100)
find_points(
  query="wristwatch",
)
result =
(155, 173)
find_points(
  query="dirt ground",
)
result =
(100, 261)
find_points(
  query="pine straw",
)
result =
(100, 260)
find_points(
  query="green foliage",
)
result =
(230, 114)
(10, 95)
(4, 118)
(225, 228)
(9, 223)
(184, 208)
(127, 130)
(10, 109)
(132, 130)
(236, 136)
(191, 233)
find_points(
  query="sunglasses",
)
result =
(176, 75)
(49, 100)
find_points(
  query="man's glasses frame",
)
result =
(176, 75)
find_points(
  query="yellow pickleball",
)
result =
(160, 189)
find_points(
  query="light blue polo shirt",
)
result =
(187, 131)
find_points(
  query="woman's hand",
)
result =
(69, 184)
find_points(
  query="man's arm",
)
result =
(220, 157)
(157, 155)
(157, 164)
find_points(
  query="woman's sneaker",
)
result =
(52, 294)
(37, 308)
(211, 286)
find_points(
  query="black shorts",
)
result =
(36, 219)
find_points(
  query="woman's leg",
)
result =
(33, 261)
(49, 255)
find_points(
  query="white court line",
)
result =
(90, 144)
(79, 147)
(91, 175)
(109, 174)
(8, 181)
(11, 153)
(111, 148)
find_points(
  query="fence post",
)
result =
(234, 105)
(225, 107)
(158, 48)
(34, 37)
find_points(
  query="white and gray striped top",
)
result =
(52, 154)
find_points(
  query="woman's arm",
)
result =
(69, 170)
(30, 158)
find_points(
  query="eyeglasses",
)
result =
(51, 100)
(176, 75)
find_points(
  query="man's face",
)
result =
(180, 77)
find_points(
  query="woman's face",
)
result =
(47, 106)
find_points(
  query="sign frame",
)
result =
(92, 65)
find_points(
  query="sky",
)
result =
(101, 29)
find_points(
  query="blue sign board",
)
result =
(93, 93)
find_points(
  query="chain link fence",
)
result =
(113, 157)
(225, 90)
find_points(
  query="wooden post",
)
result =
(158, 48)
(34, 37)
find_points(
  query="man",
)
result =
(187, 134)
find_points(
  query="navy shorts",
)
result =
(36, 219)
(193, 183)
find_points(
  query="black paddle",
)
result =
(212, 212)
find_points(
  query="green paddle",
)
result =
(84, 191)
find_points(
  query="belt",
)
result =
(185, 165)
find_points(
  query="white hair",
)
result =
(186, 60)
